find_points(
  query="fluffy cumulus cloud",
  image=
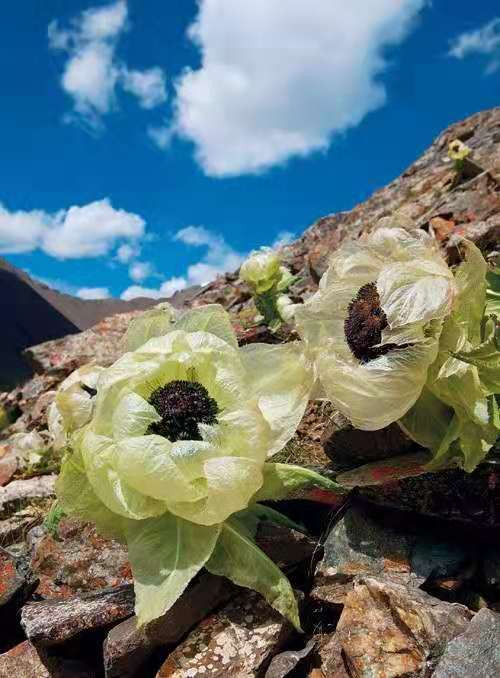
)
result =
(92, 230)
(484, 40)
(93, 293)
(218, 257)
(93, 72)
(140, 270)
(279, 79)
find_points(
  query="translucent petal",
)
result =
(212, 318)
(152, 323)
(98, 453)
(132, 416)
(230, 484)
(281, 378)
(415, 291)
(165, 554)
(145, 463)
(377, 393)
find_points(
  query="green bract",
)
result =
(175, 455)
(464, 379)
(261, 270)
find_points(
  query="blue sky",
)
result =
(145, 146)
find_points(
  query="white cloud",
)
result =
(93, 293)
(280, 79)
(283, 238)
(93, 72)
(219, 258)
(166, 290)
(92, 230)
(161, 135)
(140, 270)
(126, 253)
(148, 86)
(484, 40)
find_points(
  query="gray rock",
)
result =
(20, 493)
(363, 543)
(52, 622)
(475, 652)
(286, 662)
(23, 661)
(12, 580)
(388, 629)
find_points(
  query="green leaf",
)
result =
(54, 516)
(259, 512)
(493, 292)
(77, 498)
(427, 421)
(165, 554)
(239, 559)
(470, 277)
(210, 318)
(486, 357)
(282, 481)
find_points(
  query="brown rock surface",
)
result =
(391, 631)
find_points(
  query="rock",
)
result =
(12, 580)
(23, 661)
(364, 542)
(284, 663)
(449, 495)
(283, 545)
(50, 622)
(127, 647)
(475, 652)
(329, 651)
(20, 493)
(18, 525)
(385, 471)
(349, 447)
(79, 561)
(387, 629)
(237, 641)
(8, 464)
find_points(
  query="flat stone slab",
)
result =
(475, 652)
(237, 641)
(52, 622)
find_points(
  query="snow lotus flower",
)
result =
(261, 270)
(73, 405)
(375, 322)
(458, 151)
(398, 336)
(174, 459)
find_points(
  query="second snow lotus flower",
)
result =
(174, 459)
(375, 322)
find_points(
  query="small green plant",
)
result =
(269, 281)
(458, 152)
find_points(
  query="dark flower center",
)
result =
(182, 405)
(364, 324)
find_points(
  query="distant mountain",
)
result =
(32, 313)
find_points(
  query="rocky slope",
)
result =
(399, 575)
